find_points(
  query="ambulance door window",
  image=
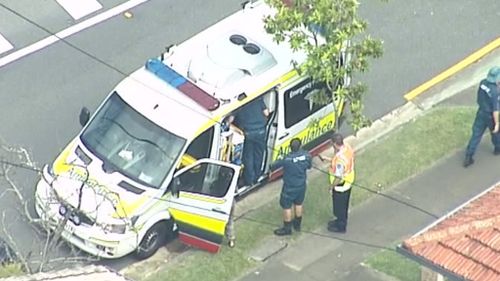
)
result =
(271, 100)
(299, 103)
(206, 179)
(300, 116)
(200, 147)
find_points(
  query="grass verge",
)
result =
(395, 265)
(400, 155)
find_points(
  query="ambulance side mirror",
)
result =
(84, 116)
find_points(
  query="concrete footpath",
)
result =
(380, 222)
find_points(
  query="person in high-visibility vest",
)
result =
(341, 176)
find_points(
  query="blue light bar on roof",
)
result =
(174, 79)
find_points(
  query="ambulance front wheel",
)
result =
(154, 238)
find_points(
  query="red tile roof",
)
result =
(465, 242)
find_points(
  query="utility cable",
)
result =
(22, 166)
(351, 241)
(261, 222)
(110, 66)
(101, 61)
(245, 217)
(376, 192)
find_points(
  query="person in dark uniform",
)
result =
(295, 166)
(487, 116)
(252, 119)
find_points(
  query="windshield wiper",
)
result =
(136, 138)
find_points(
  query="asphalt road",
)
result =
(41, 93)
(422, 38)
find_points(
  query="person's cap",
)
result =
(493, 75)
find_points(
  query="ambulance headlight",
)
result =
(63, 210)
(48, 173)
(50, 170)
(114, 228)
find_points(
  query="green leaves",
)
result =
(323, 29)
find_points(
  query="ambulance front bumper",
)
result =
(89, 238)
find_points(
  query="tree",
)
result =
(47, 250)
(329, 32)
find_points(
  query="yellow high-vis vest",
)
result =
(343, 158)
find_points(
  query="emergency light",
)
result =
(174, 79)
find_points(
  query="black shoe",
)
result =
(468, 161)
(296, 223)
(333, 223)
(283, 231)
(231, 243)
(336, 229)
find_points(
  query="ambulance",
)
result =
(157, 159)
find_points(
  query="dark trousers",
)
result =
(341, 207)
(253, 155)
(482, 121)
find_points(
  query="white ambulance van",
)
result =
(156, 159)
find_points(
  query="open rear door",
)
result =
(203, 194)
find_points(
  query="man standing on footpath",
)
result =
(295, 166)
(487, 116)
(341, 177)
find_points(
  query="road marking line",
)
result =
(5, 45)
(80, 8)
(454, 69)
(69, 31)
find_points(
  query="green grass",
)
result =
(10, 270)
(414, 147)
(400, 155)
(395, 265)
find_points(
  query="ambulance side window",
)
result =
(299, 104)
(207, 179)
(200, 147)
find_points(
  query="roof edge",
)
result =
(447, 215)
(432, 266)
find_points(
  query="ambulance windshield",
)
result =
(130, 144)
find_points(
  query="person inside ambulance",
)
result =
(252, 120)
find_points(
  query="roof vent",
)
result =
(238, 39)
(252, 49)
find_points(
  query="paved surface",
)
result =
(421, 39)
(380, 222)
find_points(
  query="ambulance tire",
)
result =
(154, 238)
